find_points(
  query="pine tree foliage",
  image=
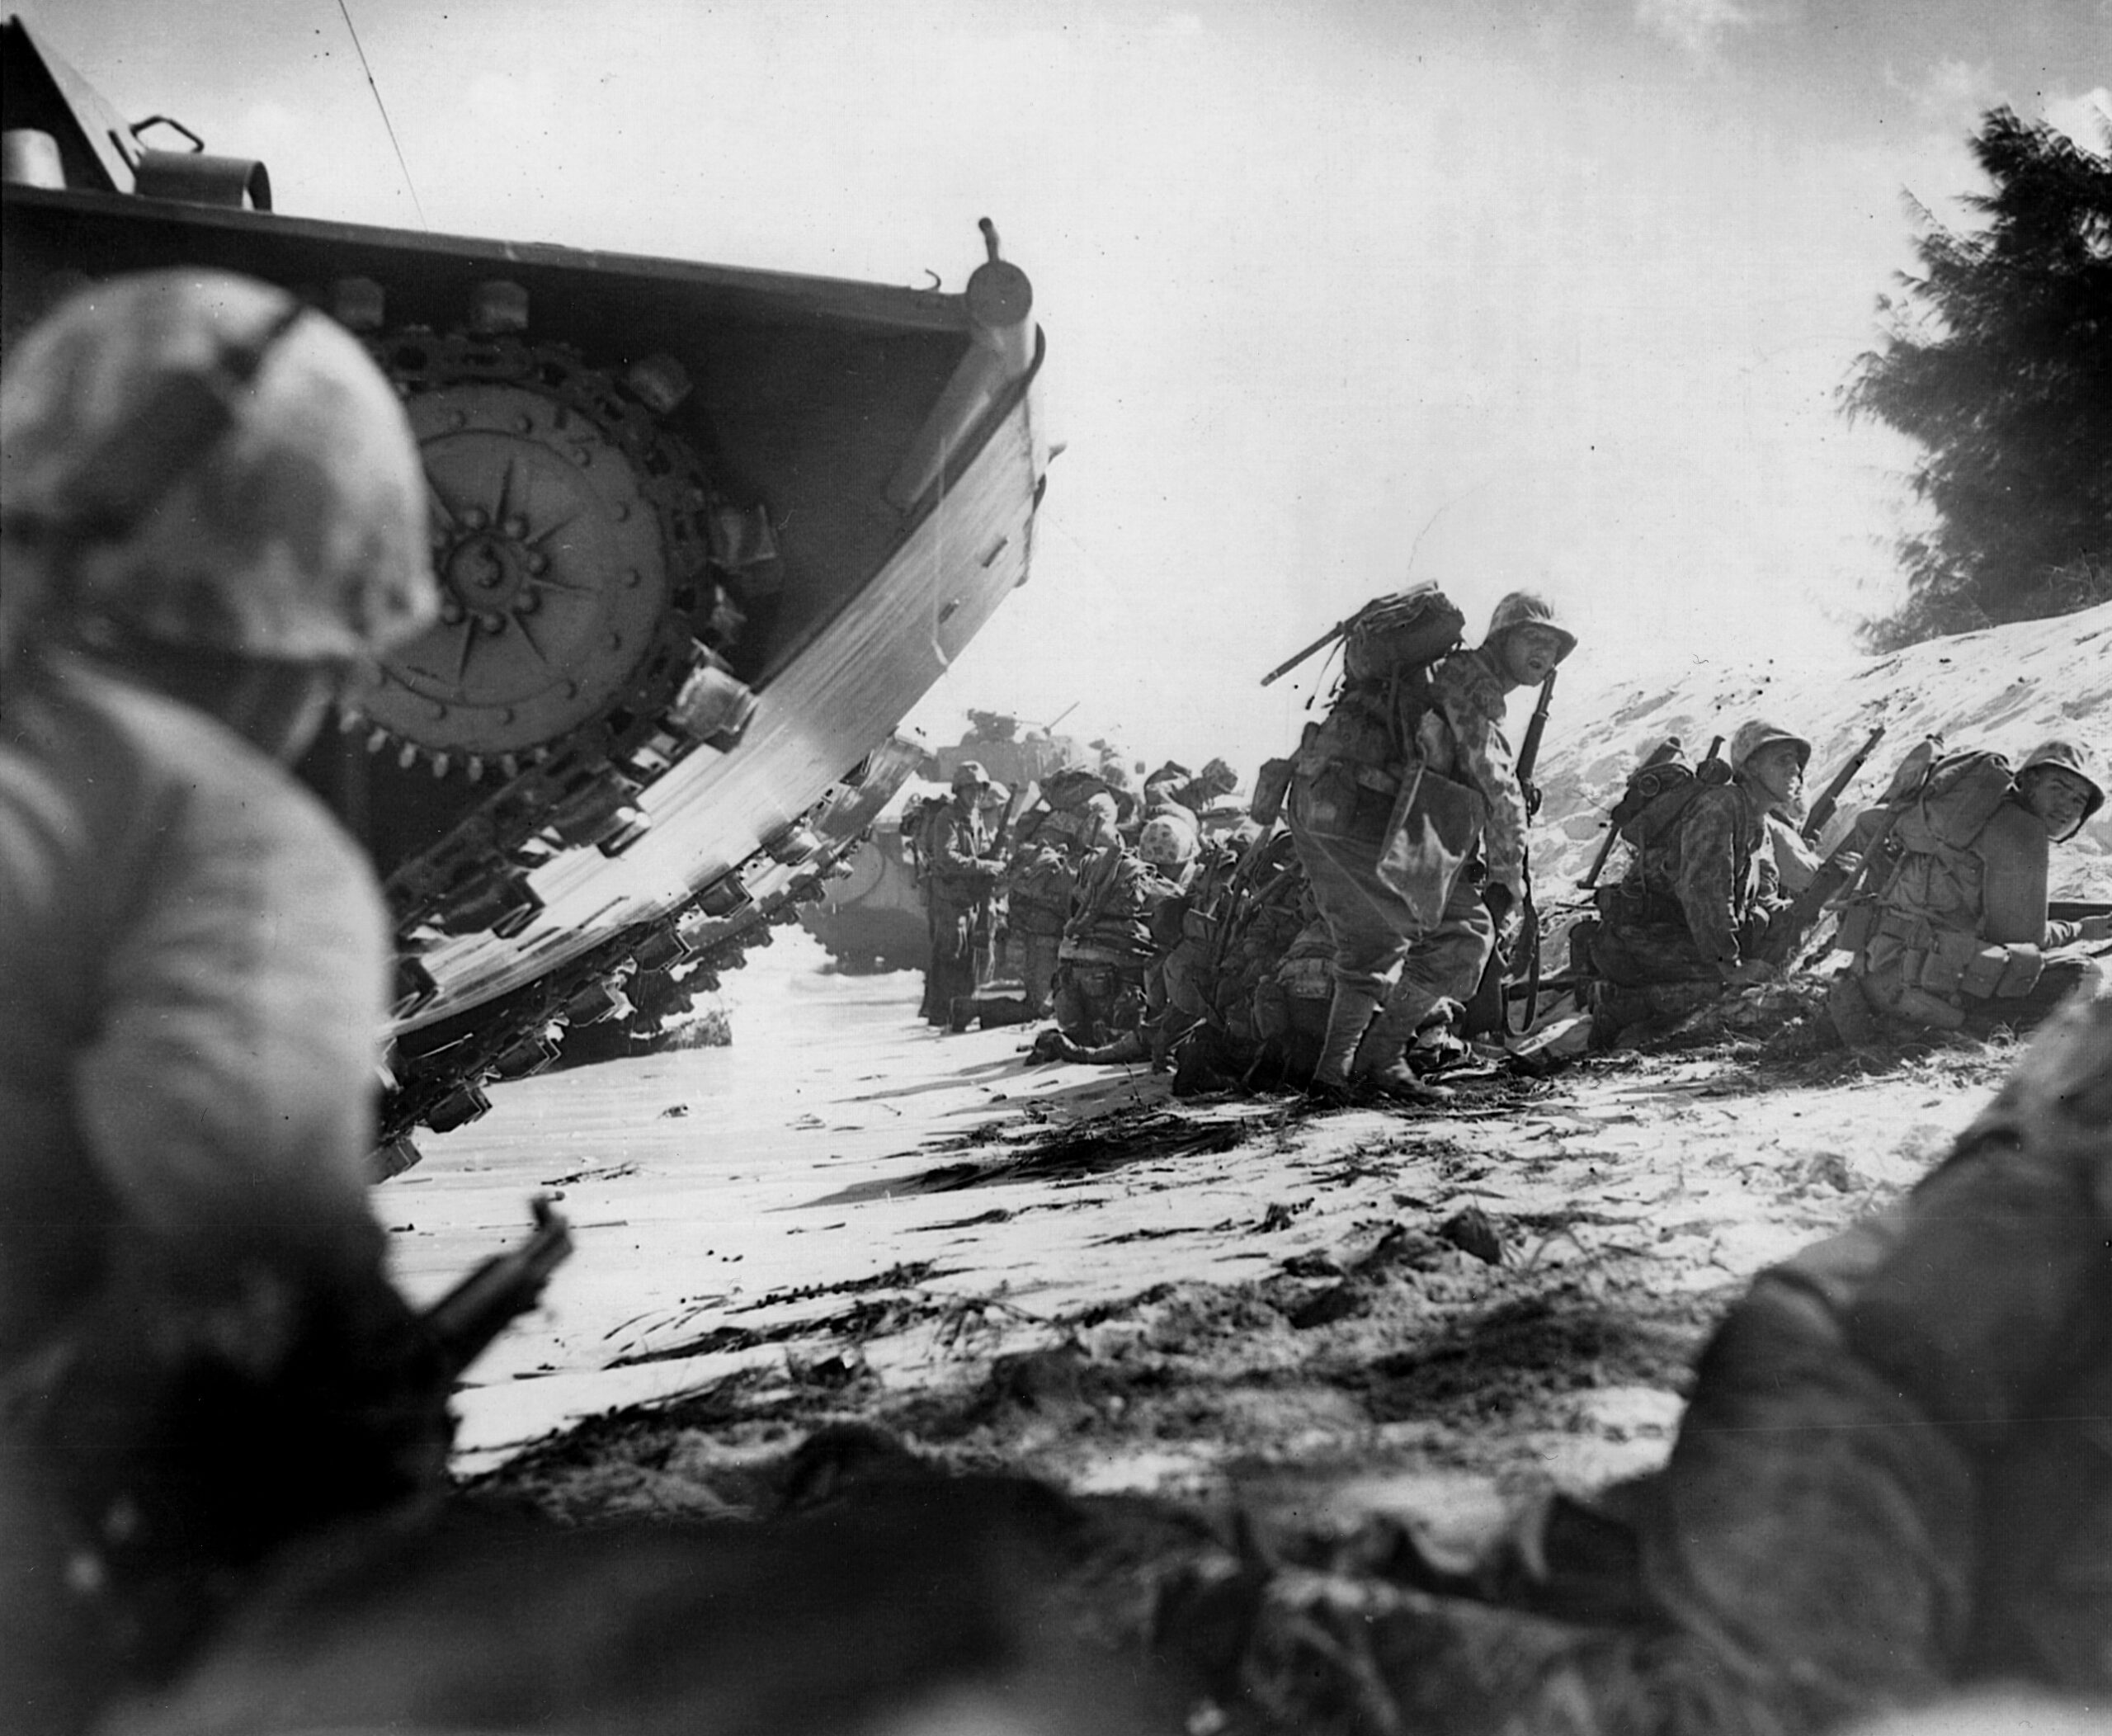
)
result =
(1998, 362)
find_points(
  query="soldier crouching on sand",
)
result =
(1108, 981)
(1692, 916)
(1952, 930)
(1400, 962)
(213, 512)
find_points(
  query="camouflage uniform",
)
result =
(1458, 735)
(1697, 900)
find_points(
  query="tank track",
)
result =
(592, 584)
(434, 1076)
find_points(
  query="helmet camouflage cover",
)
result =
(193, 458)
(2074, 758)
(1529, 609)
(1168, 841)
(1755, 733)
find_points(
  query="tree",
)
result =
(1997, 361)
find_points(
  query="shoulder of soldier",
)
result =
(1718, 809)
(2011, 830)
(159, 744)
(1468, 678)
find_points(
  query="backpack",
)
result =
(1935, 805)
(1944, 804)
(1409, 629)
(916, 817)
(1658, 792)
(1072, 786)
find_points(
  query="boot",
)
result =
(1381, 1060)
(1399, 1081)
(1349, 1014)
(1386, 1040)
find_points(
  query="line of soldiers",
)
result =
(1353, 947)
(1943, 884)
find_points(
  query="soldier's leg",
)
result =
(1038, 970)
(1443, 966)
(931, 1010)
(952, 974)
(1368, 925)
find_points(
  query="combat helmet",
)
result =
(197, 460)
(1168, 841)
(1529, 609)
(2076, 759)
(1755, 733)
(969, 774)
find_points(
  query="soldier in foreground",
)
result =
(213, 512)
(1414, 902)
(960, 879)
(1691, 917)
(1892, 1481)
(1951, 929)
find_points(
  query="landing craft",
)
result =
(703, 536)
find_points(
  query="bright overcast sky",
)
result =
(1551, 294)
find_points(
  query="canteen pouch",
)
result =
(1924, 1008)
(1944, 965)
(2022, 962)
(1435, 828)
(1983, 972)
(1271, 784)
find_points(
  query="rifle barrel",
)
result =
(1829, 799)
(1290, 663)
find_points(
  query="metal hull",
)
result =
(778, 507)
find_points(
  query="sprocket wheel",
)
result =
(551, 526)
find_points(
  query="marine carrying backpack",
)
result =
(1935, 805)
(1658, 792)
(1944, 804)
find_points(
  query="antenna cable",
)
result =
(409, 186)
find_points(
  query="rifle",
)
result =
(1821, 810)
(1839, 877)
(1001, 840)
(1669, 749)
(1320, 644)
(463, 1322)
(1529, 752)
(1529, 920)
